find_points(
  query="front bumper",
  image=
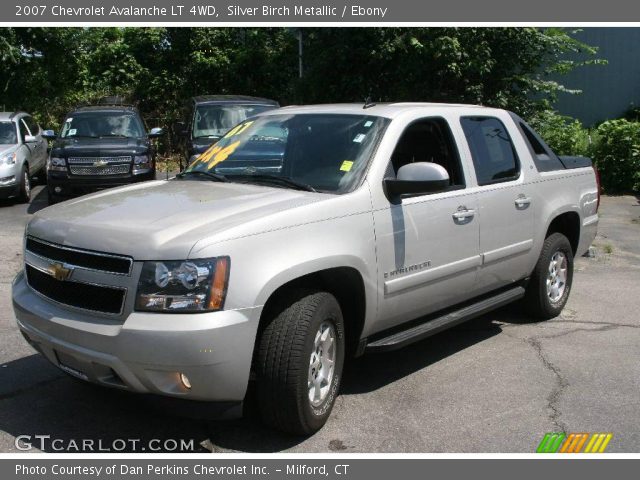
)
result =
(148, 352)
(64, 185)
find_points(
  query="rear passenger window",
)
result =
(493, 154)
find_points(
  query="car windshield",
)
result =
(213, 121)
(8, 133)
(103, 124)
(322, 152)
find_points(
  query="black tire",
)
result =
(537, 301)
(24, 194)
(283, 362)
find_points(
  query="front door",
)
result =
(428, 252)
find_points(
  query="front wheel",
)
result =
(299, 363)
(550, 284)
(24, 195)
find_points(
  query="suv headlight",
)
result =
(141, 163)
(183, 286)
(8, 159)
(57, 164)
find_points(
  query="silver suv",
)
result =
(23, 153)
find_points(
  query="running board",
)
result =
(424, 330)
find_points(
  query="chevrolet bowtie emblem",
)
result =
(59, 271)
(100, 163)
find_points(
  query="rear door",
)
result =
(505, 202)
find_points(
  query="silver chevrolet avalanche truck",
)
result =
(305, 236)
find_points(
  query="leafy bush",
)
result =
(617, 155)
(566, 136)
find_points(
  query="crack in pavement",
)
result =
(560, 385)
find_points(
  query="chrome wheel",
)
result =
(27, 184)
(557, 277)
(321, 363)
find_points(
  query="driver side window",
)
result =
(428, 140)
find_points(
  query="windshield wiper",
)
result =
(213, 176)
(289, 182)
(80, 136)
(116, 135)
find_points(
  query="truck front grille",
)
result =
(80, 295)
(91, 166)
(103, 262)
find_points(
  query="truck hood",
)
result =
(164, 219)
(72, 147)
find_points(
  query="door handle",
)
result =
(522, 201)
(463, 213)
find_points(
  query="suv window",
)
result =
(24, 131)
(429, 140)
(32, 125)
(8, 133)
(213, 121)
(492, 151)
(97, 124)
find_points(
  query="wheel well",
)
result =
(344, 283)
(567, 224)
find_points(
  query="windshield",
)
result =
(213, 121)
(328, 152)
(103, 124)
(8, 133)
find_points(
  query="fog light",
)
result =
(57, 189)
(185, 381)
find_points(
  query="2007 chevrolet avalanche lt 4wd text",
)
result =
(376, 227)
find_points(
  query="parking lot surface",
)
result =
(496, 384)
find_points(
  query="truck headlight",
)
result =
(183, 286)
(57, 164)
(141, 163)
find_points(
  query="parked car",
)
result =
(211, 116)
(99, 147)
(23, 154)
(384, 225)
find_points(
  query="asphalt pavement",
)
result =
(496, 384)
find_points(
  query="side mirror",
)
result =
(156, 132)
(417, 179)
(30, 139)
(49, 134)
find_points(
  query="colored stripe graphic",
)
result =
(598, 443)
(550, 443)
(557, 442)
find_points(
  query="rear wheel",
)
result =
(299, 363)
(550, 284)
(25, 186)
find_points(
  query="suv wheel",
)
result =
(550, 284)
(299, 363)
(25, 186)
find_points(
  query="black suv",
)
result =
(99, 147)
(211, 116)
